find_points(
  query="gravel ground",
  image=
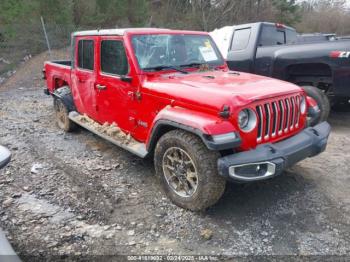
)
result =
(76, 194)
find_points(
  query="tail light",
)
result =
(44, 74)
(279, 25)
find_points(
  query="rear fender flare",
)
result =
(65, 95)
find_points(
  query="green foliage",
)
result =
(21, 30)
(23, 16)
(288, 12)
(70, 14)
(109, 13)
(55, 11)
(12, 11)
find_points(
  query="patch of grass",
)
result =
(4, 68)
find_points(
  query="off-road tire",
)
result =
(61, 115)
(210, 186)
(322, 102)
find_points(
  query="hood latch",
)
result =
(225, 112)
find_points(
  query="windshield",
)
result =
(162, 50)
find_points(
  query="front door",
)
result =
(115, 90)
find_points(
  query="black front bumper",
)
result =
(274, 158)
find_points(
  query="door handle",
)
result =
(81, 80)
(101, 87)
(131, 95)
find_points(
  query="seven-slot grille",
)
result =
(278, 117)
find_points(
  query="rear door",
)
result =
(272, 38)
(116, 100)
(84, 76)
(239, 56)
(242, 49)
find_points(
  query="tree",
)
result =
(287, 11)
(21, 30)
(326, 16)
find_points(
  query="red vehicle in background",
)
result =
(170, 94)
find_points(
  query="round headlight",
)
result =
(243, 119)
(247, 120)
(303, 105)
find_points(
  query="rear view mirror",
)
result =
(5, 156)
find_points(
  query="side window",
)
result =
(291, 37)
(272, 36)
(86, 54)
(240, 39)
(113, 58)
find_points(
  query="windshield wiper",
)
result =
(205, 65)
(192, 65)
(164, 67)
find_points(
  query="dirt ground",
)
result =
(76, 194)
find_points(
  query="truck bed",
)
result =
(62, 62)
(57, 73)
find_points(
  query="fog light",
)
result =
(252, 171)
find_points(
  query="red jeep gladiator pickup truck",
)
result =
(169, 94)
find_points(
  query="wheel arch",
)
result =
(203, 125)
(164, 126)
(59, 82)
(319, 74)
(65, 95)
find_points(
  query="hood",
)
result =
(213, 89)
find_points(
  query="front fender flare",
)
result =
(201, 124)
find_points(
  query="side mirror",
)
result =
(127, 79)
(5, 156)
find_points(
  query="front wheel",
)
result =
(322, 102)
(188, 170)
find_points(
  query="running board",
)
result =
(129, 144)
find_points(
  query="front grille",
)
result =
(278, 117)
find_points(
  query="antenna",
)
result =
(47, 39)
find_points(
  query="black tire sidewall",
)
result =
(67, 125)
(207, 172)
(174, 142)
(322, 102)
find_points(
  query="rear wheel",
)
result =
(62, 118)
(322, 102)
(188, 170)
